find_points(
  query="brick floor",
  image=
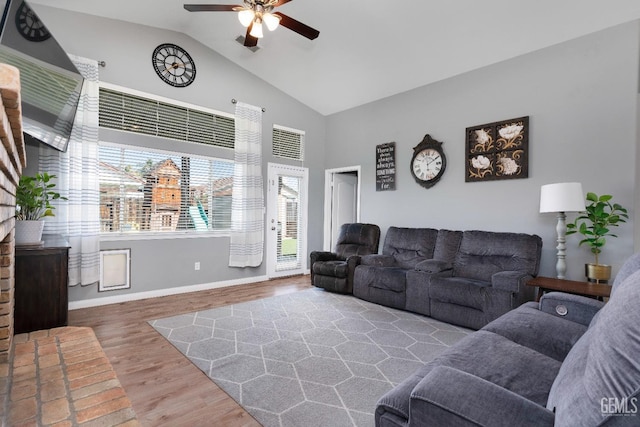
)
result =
(61, 377)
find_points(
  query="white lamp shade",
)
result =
(245, 16)
(271, 21)
(256, 30)
(562, 197)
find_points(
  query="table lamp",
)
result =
(561, 198)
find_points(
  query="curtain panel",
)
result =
(78, 218)
(247, 200)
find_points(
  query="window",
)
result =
(288, 143)
(166, 221)
(144, 115)
(157, 191)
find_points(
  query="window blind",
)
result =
(155, 191)
(138, 114)
(288, 143)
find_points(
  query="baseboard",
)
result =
(95, 302)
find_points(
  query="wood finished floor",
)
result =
(166, 389)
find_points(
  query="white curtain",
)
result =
(247, 202)
(78, 218)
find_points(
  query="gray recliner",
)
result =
(566, 361)
(488, 278)
(333, 271)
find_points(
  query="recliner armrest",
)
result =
(577, 308)
(433, 266)
(378, 260)
(316, 256)
(511, 281)
(448, 396)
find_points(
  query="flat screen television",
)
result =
(50, 83)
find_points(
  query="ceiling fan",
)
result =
(253, 13)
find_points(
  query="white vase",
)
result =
(29, 232)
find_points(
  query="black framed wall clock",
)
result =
(29, 25)
(173, 65)
(428, 162)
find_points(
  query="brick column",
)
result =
(7, 259)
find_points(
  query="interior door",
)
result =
(343, 202)
(286, 220)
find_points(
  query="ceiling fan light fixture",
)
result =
(245, 16)
(256, 29)
(271, 21)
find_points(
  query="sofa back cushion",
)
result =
(599, 381)
(409, 246)
(447, 245)
(357, 239)
(484, 253)
(630, 266)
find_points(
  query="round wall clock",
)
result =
(428, 162)
(29, 26)
(174, 65)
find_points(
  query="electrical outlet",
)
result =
(196, 266)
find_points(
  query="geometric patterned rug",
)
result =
(309, 358)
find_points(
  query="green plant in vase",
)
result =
(595, 226)
(33, 202)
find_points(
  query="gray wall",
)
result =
(127, 49)
(581, 97)
(581, 100)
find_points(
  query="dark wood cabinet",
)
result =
(41, 276)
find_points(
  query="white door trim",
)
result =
(328, 181)
(275, 169)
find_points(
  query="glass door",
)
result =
(286, 220)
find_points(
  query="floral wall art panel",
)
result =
(498, 150)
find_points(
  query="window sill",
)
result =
(114, 237)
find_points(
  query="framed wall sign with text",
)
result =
(386, 166)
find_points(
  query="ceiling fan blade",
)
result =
(210, 7)
(281, 2)
(249, 40)
(297, 26)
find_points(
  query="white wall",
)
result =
(581, 100)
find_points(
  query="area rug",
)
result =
(309, 358)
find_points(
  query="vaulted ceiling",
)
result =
(368, 50)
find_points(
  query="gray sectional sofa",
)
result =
(565, 361)
(467, 278)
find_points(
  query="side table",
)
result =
(594, 290)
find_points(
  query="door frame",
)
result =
(328, 192)
(273, 170)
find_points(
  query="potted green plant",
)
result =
(33, 202)
(595, 225)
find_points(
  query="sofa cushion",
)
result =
(603, 366)
(433, 266)
(447, 244)
(528, 326)
(459, 291)
(409, 246)
(488, 356)
(357, 239)
(483, 253)
(630, 266)
(393, 279)
(331, 268)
